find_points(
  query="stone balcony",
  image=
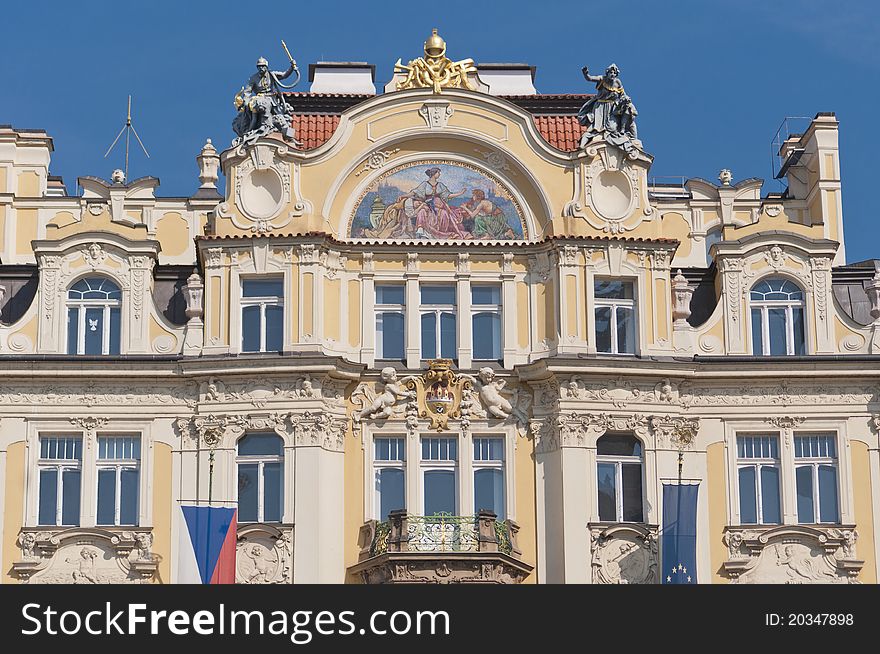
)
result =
(441, 548)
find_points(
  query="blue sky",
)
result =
(712, 80)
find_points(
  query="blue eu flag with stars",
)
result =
(678, 538)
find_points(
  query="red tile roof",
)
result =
(316, 116)
(314, 130)
(562, 132)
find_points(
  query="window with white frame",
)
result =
(758, 468)
(60, 480)
(262, 314)
(260, 464)
(486, 322)
(777, 311)
(118, 468)
(94, 310)
(438, 321)
(619, 478)
(439, 472)
(390, 311)
(488, 466)
(615, 316)
(389, 467)
(815, 471)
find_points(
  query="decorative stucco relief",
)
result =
(624, 554)
(264, 555)
(86, 556)
(792, 555)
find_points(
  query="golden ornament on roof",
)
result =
(435, 70)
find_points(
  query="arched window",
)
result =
(93, 317)
(777, 318)
(260, 464)
(619, 478)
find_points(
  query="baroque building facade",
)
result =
(450, 332)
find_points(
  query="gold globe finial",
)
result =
(435, 46)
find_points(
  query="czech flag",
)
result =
(206, 546)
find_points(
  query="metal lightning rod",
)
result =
(128, 129)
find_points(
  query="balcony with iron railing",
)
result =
(440, 548)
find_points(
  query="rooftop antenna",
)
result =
(128, 129)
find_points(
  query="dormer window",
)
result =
(94, 317)
(777, 309)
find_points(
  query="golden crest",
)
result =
(439, 392)
(435, 70)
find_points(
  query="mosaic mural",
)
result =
(437, 200)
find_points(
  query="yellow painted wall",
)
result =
(543, 321)
(156, 329)
(526, 516)
(647, 314)
(674, 225)
(162, 509)
(717, 484)
(331, 309)
(28, 184)
(841, 331)
(99, 223)
(717, 509)
(172, 232)
(25, 230)
(13, 507)
(30, 328)
(487, 265)
(437, 263)
(660, 308)
(864, 513)
(780, 222)
(3, 188)
(831, 214)
(63, 219)
(354, 313)
(388, 263)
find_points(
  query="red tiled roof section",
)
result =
(314, 130)
(562, 132)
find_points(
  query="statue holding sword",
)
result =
(261, 106)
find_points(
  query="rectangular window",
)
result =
(60, 472)
(389, 464)
(118, 467)
(260, 464)
(488, 467)
(262, 314)
(438, 322)
(758, 474)
(614, 315)
(815, 471)
(439, 475)
(619, 478)
(486, 322)
(390, 311)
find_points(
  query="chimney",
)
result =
(508, 79)
(343, 77)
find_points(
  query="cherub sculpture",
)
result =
(496, 404)
(382, 405)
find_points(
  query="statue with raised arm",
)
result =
(610, 113)
(261, 106)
